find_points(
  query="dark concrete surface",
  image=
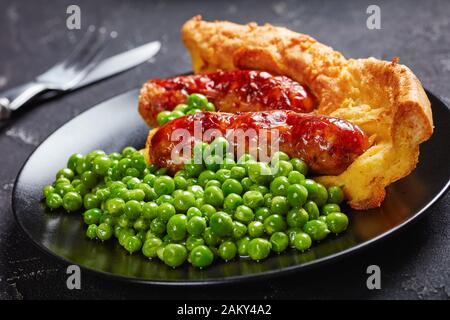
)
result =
(414, 263)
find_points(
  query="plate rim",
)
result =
(222, 280)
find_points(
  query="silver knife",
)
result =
(14, 98)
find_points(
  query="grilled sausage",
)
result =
(328, 145)
(230, 91)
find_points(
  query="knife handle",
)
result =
(14, 98)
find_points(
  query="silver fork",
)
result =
(62, 76)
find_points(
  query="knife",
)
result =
(103, 69)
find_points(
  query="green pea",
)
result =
(91, 201)
(222, 175)
(103, 194)
(337, 222)
(231, 186)
(128, 151)
(214, 196)
(205, 177)
(227, 250)
(297, 195)
(101, 164)
(177, 113)
(163, 117)
(131, 182)
(196, 190)
(48, 190)
(228, 164)
(73, 160)
(279, 205)
(66, 173)
(302, 241)
(279, 155)
(282, 168)
(124, 234)
(106, 218)
(300, 166)
(213, 162)
(123, 222)
(262, 213)
(166, 211)
(194, 212)
(104, 231)
(92, 216)
(246, 183)
(194, 241)
(279, 186)
(184, 200)
(196, 225)
(176, 227)
(244, 214)
(312, 209)
(164, 185)
(89, 179)
(279, 241)
(91, 231)
(115, 156)
(242, 245)
(255, 229)
(219, 146)
(141, 224)
(221, 224)
(329, 208)
(253, 199)
(149, 179)
(193, 168)
(297, 218)
(258, 249)
(259, 173)
(211, 239)
(312, 188)
(268, 197)
(197, 100)
(181, 107)
(207, 210)
(210, 107)
(322, 218)
(274, 223)
(53, 201)
(158, 226)
(63, 188)
(295, 177)
(238, 173)
(82, 165)
(150, 210)
(201, 256)
(151, 245)
(239, 230)
(132, 209)
(335, 195)
(115, 206)
(72, 201)
(133, 244)
(160, 172)
(232, 201)
(261, 189)
(321, 197)
(316, 229)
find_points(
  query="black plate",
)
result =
(116, 123)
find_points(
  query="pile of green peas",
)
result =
(196, 102)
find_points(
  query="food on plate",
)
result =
(328, 145)
(203, 212)
(385, 99)
(229, 91)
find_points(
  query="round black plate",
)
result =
(116, 123)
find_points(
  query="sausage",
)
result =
(230, 91)
(328, 145)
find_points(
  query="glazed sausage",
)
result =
(328, 145)
(230, 91)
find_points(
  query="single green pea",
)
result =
(124, 234)
(194, 241)
(279, 186)
(261, 189)
(92, 216)
(66, 173)
(48, 189)
(282, 168)
(227, 250)
(91, 231)
(329, 208)
(262, 213)
(258, 249)
(295, 177)
(141, 224)
(253, 199)
(242, 245)
(128, 151)
(196, 225)
(244, 214)
(222, 175)
(301, 241)
(184, 200)
(104, 231)
(73, 160)
(207, 210)
(181, 107)
(89, 179)
(53, 201)
(166, 211)
(177, 113)
(297, 195)
(91, 201)
(337, 222)
(123, 222)
(297, 218)
(115, 206)
(151, 245)
(335, 195)
(321, 197)
(158, 226)
(213, 162)
(213, 183)
(259, 173)
(246, 183)
(232, 201)
(221, 224)
(201, 256)
(132, 209)
(199, 202)
(196, 190)
(268, 197)
(174, 255)
(316, 229)
(211, 239)
(163, 117)
(63, 188)
(62, 181)
(101, 164)
(165, 198)
(300, 166)
(279, 205)
(231, 186)
(279, 156)
(238, 173)
(103, 194)
(164, 185)
(274, 223)
(210, 107)
(115, 156)
(279, 241)
(256, 229)
(312, 188)
(197, 100)
(228, 164)
(194, 212)
(108, 219)
(214, 196)
(131, 181)
(312, 209)
(160, 172)
(205, 177)
(219, 146)
(149, 192)
(193, 168)
(72, 201)
(82, 165)
(176, 227)
(132, 244)
(239, 230)
(149, 179)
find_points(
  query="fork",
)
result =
(62, 76)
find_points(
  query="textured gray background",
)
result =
(414, 263)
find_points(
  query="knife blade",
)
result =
(120, 63)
